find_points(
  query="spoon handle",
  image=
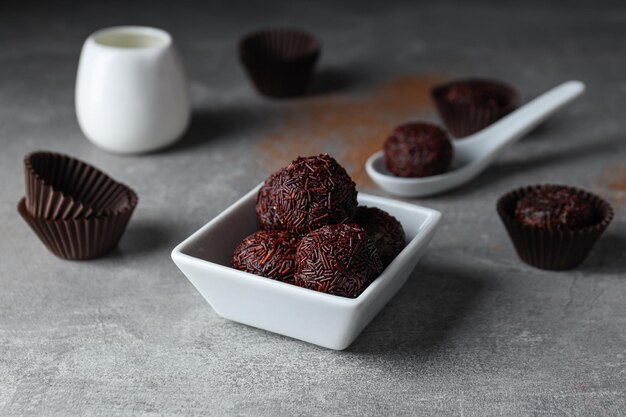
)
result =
(511, 128)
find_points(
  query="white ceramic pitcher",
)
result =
(131, 93)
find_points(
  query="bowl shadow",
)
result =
(220, 123)
(432, 303)
(142, 238)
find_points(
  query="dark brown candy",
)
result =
(555, 207)
(384, 230)
(418, 150)
(309, 193)
(470, 94)
(554, 233)
(266, 213)
(337, 259)
(467, 106)
(269, 253)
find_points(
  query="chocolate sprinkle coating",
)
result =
(337, 259)
(269, 253)
(383, 229)
(418, 150)
(266, 213)
(309, 193)
(555, 207)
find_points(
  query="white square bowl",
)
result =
(323, 319)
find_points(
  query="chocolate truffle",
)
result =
(418, 150)
(555, 207)
(269, 253)
(383, 229)
(337, 259)
(467, 106)
(309, 193)
(553, 227)
(473, 94)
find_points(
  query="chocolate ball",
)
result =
(383, 229)
(337, 259)
(309, 193)
(468, 106)
(269, 253)
(418, 150)
(266, 212)
(478, 95)
(555, 207)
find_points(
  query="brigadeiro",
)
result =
(554, 206)
(553, 226)
(418, 150)
(269, 253)
(383, 229)
(309, 193)
(337, 259)
(467, 106)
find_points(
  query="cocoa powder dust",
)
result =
(612, 182)
(348, 128)
(614, 177)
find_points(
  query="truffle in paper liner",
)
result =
(468, 106)
(552, 248)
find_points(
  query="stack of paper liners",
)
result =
(61, 187)
(79, 238)
(76, 210)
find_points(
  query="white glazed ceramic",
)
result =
(131, 93)
(323, 319)
(476, 152)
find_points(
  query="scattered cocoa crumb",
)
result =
(614, 177)
(612, 183)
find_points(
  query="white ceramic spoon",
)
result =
(476, 152)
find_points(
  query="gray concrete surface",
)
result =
(473, 333)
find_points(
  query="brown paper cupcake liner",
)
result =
(84, 238)
(62, 187)
(552, 249)
(464, 119)
(279, 62)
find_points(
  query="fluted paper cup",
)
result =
(61, 187)
(465, 117)
(279, 62)
(554, 249)
(80, 238)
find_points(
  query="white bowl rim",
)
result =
(433, 218)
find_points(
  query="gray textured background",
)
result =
(473, 333)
